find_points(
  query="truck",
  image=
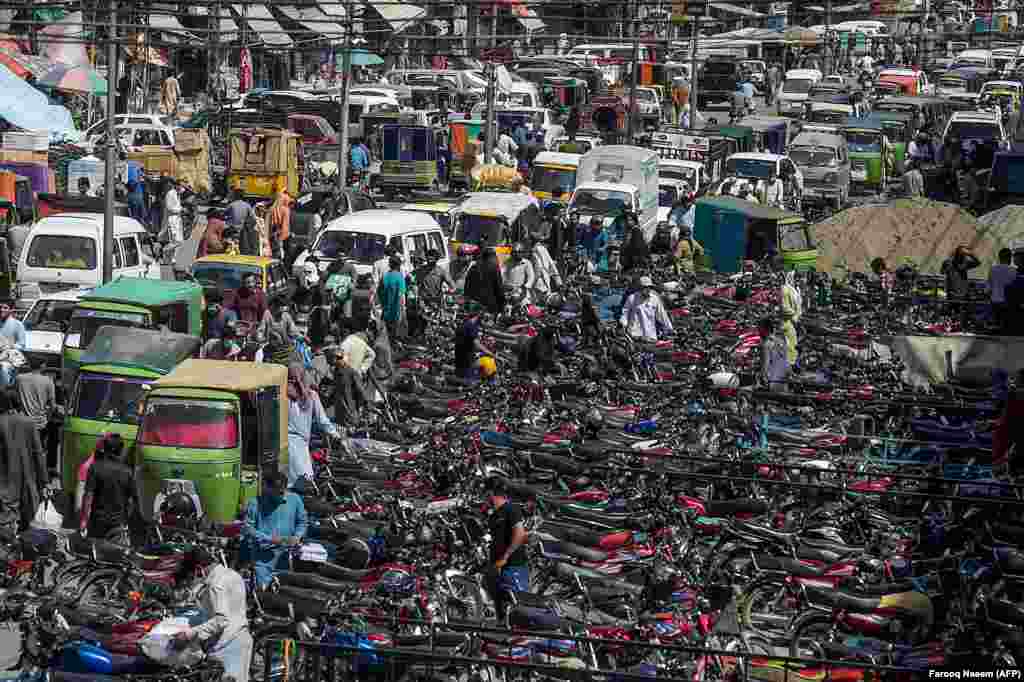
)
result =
(616, 178)
(717, 81)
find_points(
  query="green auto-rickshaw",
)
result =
(733, 231)
(217, 424)
(131, 302)
(899, 131)
(108, 391)
(871, 159)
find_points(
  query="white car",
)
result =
(755, 168)
(126, 125)
(690, 172)
(46, 322)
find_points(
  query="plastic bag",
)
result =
(159, 645)
(47, 517)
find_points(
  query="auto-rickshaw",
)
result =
(830, 113)
(441, 211)
(871, 162)
(772, 134)
(409, 159)
(226, 272)
(565, 92)
(930, 113)
(495, 220)
(376, 119)
(554, 170)
(740, 137)
(733, 231)
(264, 161)
(899, 131)
(221, 425)
(131, 302)
(964, 79)
(109, 389)
(463, 133)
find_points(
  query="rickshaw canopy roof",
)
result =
(158, 351)
(506, 205)
(750, 209)
(224, 375)
(863, 123)
(145, 292)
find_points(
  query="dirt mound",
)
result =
(915, 231)
(1005, 225)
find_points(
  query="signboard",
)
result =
(777, 22)
(692, 142)
(862, 40)
(844, 41)
(983, 8)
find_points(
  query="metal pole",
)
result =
(494, 26)
(108, 178)
(492, 85)
(828, 37)
(694, 34)
(346, 66)
(633, 113)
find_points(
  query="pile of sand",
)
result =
(915, 231)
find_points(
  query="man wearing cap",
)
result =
(510, 568)
(644, 315)
(274, 521)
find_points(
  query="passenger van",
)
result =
(796, 88)
(360, 238)
(65, 251)
(824, 161)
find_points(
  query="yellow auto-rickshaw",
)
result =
(219, 425)
(495, 220)
(264, 161)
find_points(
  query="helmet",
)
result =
(488, 367)
(593, 420)
(178, 509)
(519, 250)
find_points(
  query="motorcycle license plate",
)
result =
(859, 175)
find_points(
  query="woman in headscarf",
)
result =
(304, 412)
(792, 309)
(280, 224)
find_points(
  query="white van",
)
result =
(65, 251)
(796, 88)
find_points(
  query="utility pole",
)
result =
(492, 85)
(828, 37)
(633, 113)
(108, 176)
(694, 35)
(346, 67)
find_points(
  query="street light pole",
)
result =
(492, 85)
(828, 37)
(694, 35)
(110, 171)
(636, 67)
(346, 67)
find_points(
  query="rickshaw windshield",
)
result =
(675, 173)
(750, 168)
(224, 276)
(964, 130)
(794, 237)
(863, 142)
(601, 201)
(189, 423)
(548, 179)
(813, 156)
(667, 195)
(482, 230)
(85, 324)
(108, 399)
(361, 246)
(896, 132)
(51, 312)
(797, 86)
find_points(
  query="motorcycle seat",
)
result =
(767, 562)
(562, 465)
(342, 573)
(594, 452)
(568, 571)
(441, 639)
(757, 530)
(843, 600)
(107, 552)
(732, 507)
(525, 490)
(609, 593)
(318, 507)
(311, 581)
(565, 548)
(584, 537)
(531, 618)
(283, 605)
(1011, 561)
(834, 548)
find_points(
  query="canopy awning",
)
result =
(315, 19)
(398, 14)
(167, 23)
(528, 18)
(736, 9)
(263, 24)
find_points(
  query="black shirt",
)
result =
(501, 524)
(465, 344)
(112, 487)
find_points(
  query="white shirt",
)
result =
(518, 275)
(998, 277)
(544, 269)
(172, 213)
(223, 597)
(357, 353)
(642, 317)
(507, 146)
(773, 193)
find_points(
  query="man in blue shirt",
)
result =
(12, 331)
(595, 244)
(274, 522)
(391, 294)
(136, 194)
(358, 158)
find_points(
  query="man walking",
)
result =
(38, 398)
(22, 467)
(509, 571)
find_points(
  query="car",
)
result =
(834, 79)
(318, 206)
(693, 173)
(979, 126)
(135, 135)
(757, 167)
(795, 90)
(46, 323)
(98, 129)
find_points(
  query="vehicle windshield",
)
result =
(863, 142)
(679, 173)
(667, 195)
(601, 202)
(223, 276)
(797, 86)
(62, 251)
(719, 68)
(757, 67)
(828, 116)
(895, 106)
(548, 179)
(482, 230)
(813, 156)
(105, 398)
(750, 168)
(646, 95)
(85, 324)
(361, 246)
(896, 132)
(969, 130)
(188, 423)
(49, 314)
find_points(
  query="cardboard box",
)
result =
(190, 141)
(24, 156)
(157, 160)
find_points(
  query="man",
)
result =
(239, 211)
(110, 500)
(468, 343)
(279, 331)
(913, 180)
(519, 132)
(999, 277)
(12, 333)
(1015, 297)
(688, 250)
(545, 270)
(274, 521)
(249, 303)
(506, 145)
(85, 187)
(484, 284)
(391, 294)
(225, 347)
(352, 394)
(217, 316)
(956, 269)
(37, 396)
(644, 315)
(774, 361)
(518, 274)
(595, 245)
(225, 636)
(135, 184)
(510, 570)
(433, 280)
(771, 80)
(22, 466)
(920, 149)
(684, 115)
(537, 353)
(358, 158)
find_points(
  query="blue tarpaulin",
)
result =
(25, 107)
